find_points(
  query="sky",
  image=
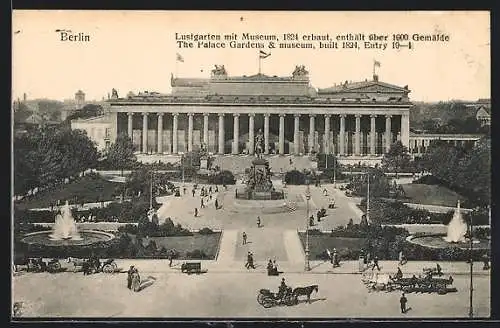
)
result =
(136, 51)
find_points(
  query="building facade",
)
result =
(224, 113)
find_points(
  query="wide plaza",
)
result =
(228, 289)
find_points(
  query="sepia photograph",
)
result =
(250, 165)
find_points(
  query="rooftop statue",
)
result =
(114, 93)
(219, 70)
(300, 72)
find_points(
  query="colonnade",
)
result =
(327, 148)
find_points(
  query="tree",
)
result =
(121, 153)
(397, 158)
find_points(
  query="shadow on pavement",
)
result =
(313, 300)
(146, 283)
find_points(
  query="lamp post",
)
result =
(307, 266)
(471, 288)
(151, 191)
(334, 173)
(368, 199)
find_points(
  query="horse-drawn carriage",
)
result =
(37, 264)
(267, 299)
(93, 265)
(427, 284)
(289, 297)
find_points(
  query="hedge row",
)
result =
(395, 212)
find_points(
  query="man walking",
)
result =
(402, 302)
(375, 263)
(195, 212)
(244, 238)
(193, 191)
(258, 221)
(202, 204)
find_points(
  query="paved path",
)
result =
(171, 294)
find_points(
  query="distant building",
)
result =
(98, 129)
(483, 116)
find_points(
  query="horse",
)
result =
(304, 291)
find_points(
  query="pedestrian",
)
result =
(210, 196)
(486, 262)
(375, 263)
(258, 221)
(210, 189)
(193, 191)
(249, 258)
(402, 302)
(195, 212)
(170, 258)
(402, 258)
(202, 204)
(184, 190)
(216, 188)
(216, 204)
(250, 261)
(244, 238)
(129, 276)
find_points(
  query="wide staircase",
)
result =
(238, 163)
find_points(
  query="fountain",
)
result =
(65, 233)
(456, 235)
(65, 226)
(457, 228)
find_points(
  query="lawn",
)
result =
(431, 195)
(209, 244)
(87, 189)
(319, 243)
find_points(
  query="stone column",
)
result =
(160, 133)
(372, 135)
(144, 132)
(205, 129)
(282, 135)
(236, 133)
(405, 129)
(342, 135)
(388, 133)
(266, 133)
(251, 136)
(311, 132)
(296, 143)
(129, 125)
(190, 132)
(221, 134)
(174, 132)
(327, 134)
(357, 148)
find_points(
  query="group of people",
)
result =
(131, 271)
(204, 192)
(272, 268)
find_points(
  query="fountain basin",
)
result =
(438, 241)
(87, 237)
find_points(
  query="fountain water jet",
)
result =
(64, 226)
(457, 228)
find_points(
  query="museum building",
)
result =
(224, 113)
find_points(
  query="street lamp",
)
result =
(307, 266)
(368, 199)
(151, 191)
(471, 288)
